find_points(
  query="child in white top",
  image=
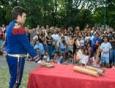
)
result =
(46, 57)
(105, 51)
(84, 57)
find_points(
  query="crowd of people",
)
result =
(89, 46)
(92, 46)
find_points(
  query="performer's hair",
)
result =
(17, 11)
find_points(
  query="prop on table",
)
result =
(97, 69)
(46, 64)
(93, 71)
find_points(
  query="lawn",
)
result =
(4, 74)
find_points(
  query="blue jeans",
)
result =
(112, 56)
(105, 60)
(15, 70)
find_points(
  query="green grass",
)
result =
(4, 79)
(4, 73)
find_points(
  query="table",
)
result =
(63, 76)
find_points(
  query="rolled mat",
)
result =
(99, 70)
(84, 70)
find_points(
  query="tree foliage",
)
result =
(61, 12)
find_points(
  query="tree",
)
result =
(61, 12)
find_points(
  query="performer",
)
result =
(17, 46)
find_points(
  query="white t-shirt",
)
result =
(84, 59)
(56, 37)
(87, 38)
(66, 39)
(82, 42)
(105, 47)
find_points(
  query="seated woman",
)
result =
(39, 47)
(84, 58)
(77, 55)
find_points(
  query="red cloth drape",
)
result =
(63, 76)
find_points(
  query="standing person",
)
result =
(112, 53)
(95, 40)
(105, 48)
(17, 46)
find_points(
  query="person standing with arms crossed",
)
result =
(17, 46)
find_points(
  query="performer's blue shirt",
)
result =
(17, 41)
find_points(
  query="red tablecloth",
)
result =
(63, 76)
